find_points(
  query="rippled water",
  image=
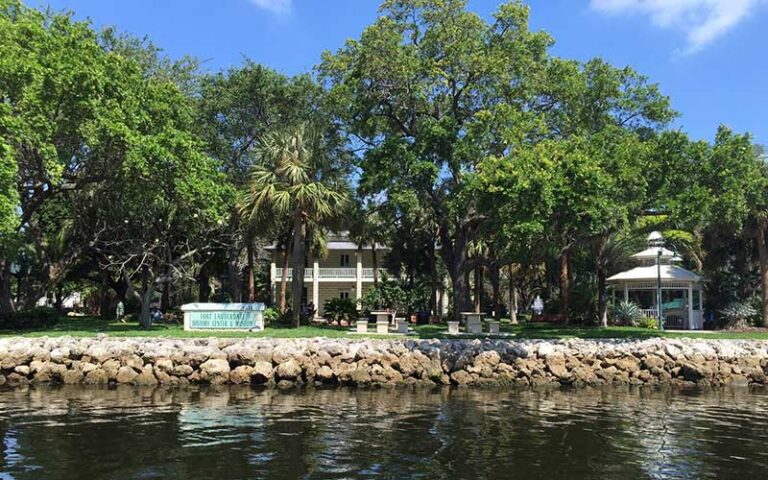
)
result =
(239, 433)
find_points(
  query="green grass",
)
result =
(90, 327)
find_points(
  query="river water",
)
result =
(243, 433)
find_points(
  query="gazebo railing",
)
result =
(650, 313)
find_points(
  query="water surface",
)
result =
(242, 433)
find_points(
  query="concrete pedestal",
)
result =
(493, 327)
(453, 328)
(474, 322)
(362, 326)
(382, 321)
(382, 327)
(402, 325)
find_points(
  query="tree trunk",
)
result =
(283, 283)
(299, 257)
(203, 286)
(165, 301)
(233, 273)
(6, 294)
(58, 296)
(433, 275)
(375, 263)
(454, 255)
(251, 279)
(565, 283)
(512, 298)
(602, 296)
(762, 251)
(104, 303)
(478, 297)
(145, 319)
(494, 275)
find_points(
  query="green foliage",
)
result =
(397, 296)
(32, 319)
(649, 323)
(337, 309)
(271, 315)
(738, 315)
(626, 314)
(9, 199)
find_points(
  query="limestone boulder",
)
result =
(289, 370)
(126, 375)
(215, 371)
(262, 372)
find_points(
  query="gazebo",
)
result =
(681, 290)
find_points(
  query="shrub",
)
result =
(648, 322)
(737, 315)
(271, 315)
(626, 314)
(337, 309)
(34, 318)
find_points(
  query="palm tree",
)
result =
(367, 228)
(290, 181)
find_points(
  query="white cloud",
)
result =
(702, 21)
(278, 7)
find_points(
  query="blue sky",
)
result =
(710, 56)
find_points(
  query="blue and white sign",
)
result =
(246, 317)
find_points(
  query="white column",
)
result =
(273, 280)
(359, 279)
(316, 286)
(626, 292)
(701, 307)
(690, 307)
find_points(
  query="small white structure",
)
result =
(362, 325)
(474, 322)
(224, 316)
(681, 298)
(382, 322)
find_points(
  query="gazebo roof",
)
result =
(650, 273)
(652, 252)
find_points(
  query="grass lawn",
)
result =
(89, 327)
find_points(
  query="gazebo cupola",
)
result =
(681, 290)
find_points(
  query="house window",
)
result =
(344, 260)
(344, 294)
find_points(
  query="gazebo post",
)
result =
(690, 306)
(626, 292)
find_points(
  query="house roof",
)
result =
(650, 273)
(340, 241)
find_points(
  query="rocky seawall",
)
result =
(287, 363)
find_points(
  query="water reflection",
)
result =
(233, 433)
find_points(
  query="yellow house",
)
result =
(347, 271)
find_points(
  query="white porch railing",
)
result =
(338, 273)
(346, 273)
(651, 313)
(368, 273)
(672, 319)
(308, 273)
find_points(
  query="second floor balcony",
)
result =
(344, 273)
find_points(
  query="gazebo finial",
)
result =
(655, 239)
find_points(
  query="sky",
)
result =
(709, 56)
